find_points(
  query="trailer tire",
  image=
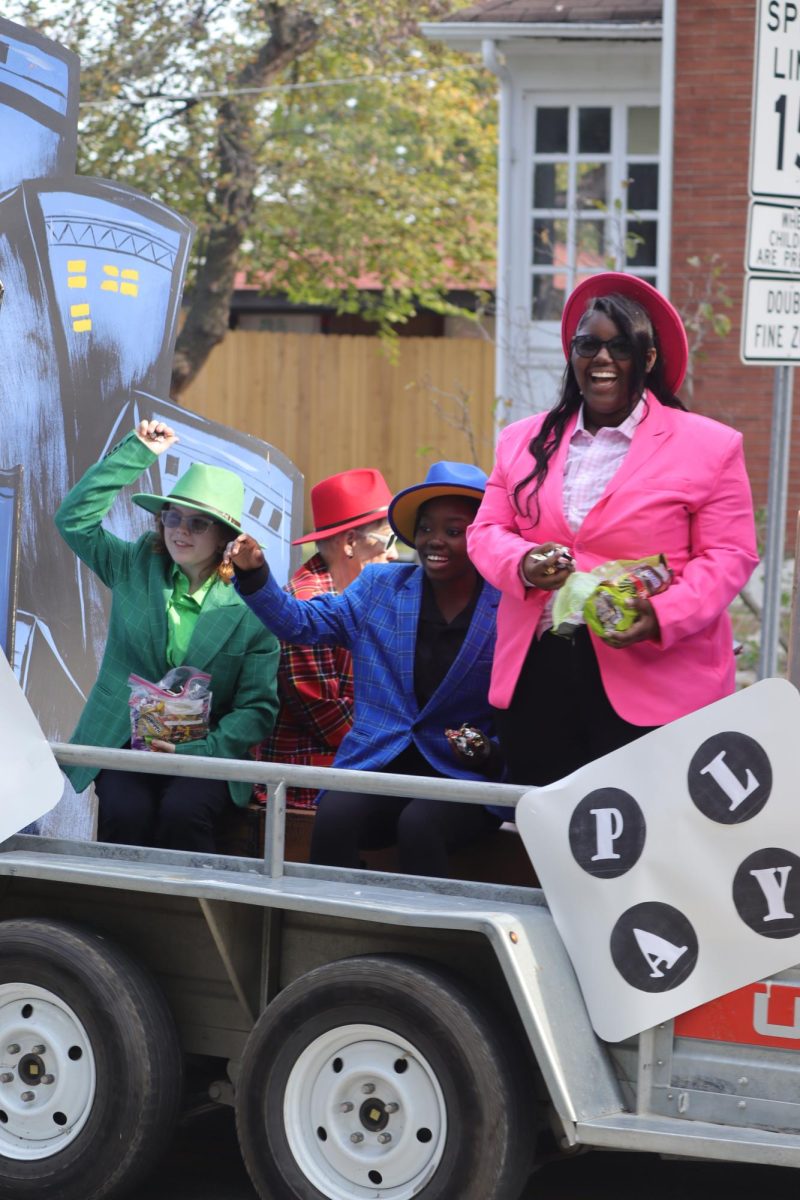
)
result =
(90, 1067)
(381, 1076)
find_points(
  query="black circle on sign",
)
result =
(665, 935)
(774, 912)
(607, 822)
(744, 762)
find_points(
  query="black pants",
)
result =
(157, 810)
(424, 830)
(560, 717)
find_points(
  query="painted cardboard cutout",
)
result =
(93, 274)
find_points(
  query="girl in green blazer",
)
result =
(170, 606)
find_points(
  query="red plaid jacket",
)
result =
(315, 690)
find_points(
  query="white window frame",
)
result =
(545, 335)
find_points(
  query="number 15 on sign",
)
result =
(775, 148)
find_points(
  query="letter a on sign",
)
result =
(658, 950)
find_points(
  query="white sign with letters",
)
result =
(773, 239)
(775, 135)
(771, 323)
(672, 866)
(31, 782)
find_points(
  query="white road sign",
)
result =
(771, 322)
(775, 135)
(773, 238)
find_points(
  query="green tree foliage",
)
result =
(315, 143)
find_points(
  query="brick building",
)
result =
(624, 135)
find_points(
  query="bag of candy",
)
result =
(600, 597)
(176, 709)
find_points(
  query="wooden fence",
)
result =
(331, 403)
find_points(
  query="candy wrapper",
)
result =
(176, 709)
(600, 597)
(472, 742)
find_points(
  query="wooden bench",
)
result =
(498, 858)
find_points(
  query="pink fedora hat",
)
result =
(345, 501)
(664, 316)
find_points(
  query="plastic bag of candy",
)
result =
(600, 597)
(176, 709)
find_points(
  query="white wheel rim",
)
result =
(47, 1073)
(365, 1115)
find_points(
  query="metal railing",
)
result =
(278, 776)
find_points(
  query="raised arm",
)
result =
(80, 515)
(328, 619)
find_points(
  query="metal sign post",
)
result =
(776, 520)
(771, 311)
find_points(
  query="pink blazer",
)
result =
(682, 491)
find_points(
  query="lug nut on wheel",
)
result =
(356, 1138)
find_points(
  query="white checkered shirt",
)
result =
(593, 461)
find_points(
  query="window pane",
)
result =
(551, 130)
(549, 241)
(592, 186)
(548, 297)
(642, 188)
(550, 185)
(594, 130)
(591, 238)
(644, 253)
(643, 130)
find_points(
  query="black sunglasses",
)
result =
(585, 345)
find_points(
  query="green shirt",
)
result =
(183, 609)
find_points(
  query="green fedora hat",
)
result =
(213, 491)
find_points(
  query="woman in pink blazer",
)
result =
(618, 469)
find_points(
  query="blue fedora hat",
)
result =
(443, 479)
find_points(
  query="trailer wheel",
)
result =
(381, 1077)
(90, 1068)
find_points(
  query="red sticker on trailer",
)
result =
(762, 1014)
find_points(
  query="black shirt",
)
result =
(436, 649)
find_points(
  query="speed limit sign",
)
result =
(775, 135)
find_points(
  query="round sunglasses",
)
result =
(172, 519)
(586, 345)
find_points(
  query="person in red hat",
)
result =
(617, 470)
(315, 683)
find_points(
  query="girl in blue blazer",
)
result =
(422, 640)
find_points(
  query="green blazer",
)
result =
(228, 641)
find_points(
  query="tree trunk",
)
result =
(292, 32)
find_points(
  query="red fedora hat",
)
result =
(665, 318)
(345, 501)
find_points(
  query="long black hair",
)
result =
(634, 324)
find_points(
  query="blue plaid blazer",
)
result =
(376, 619)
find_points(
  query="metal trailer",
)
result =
(379, 1035)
